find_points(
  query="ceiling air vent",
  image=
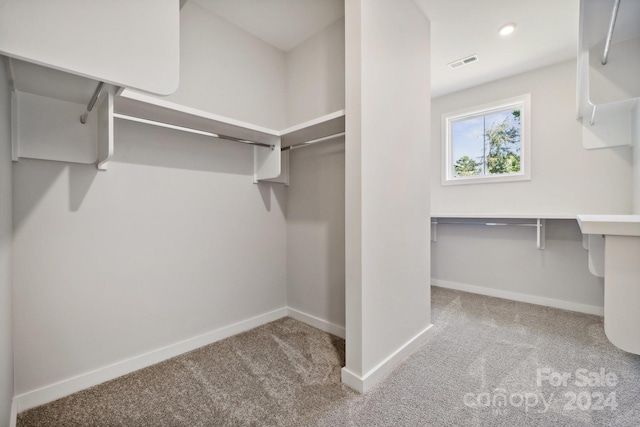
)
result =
(463, 61)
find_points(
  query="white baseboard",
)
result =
(72, 385)
(13, 417)
(317, 322)
(516, 296)
(371, 378)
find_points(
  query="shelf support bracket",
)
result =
(434, 231)
(105, 131)
(541, 235)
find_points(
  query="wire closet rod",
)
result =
(92, 102)
(191, 130)
(313, 141)
(614, 15)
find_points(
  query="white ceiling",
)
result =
(281, 23)
(546, 32)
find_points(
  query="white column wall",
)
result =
(387, 163)
(353, 189)
(6, 229)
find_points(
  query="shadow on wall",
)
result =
(269, 190)
(41, 179)
(81, 178)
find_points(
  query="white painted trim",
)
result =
(516, 296)
(13, 417)
(352, 380)
(317, 322)
(371, 378)
(71, 385)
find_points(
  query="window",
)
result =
(489, 143)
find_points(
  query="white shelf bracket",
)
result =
(15, 144)
(105, 130)
(267, 162)
(541, 235)
(15, 152)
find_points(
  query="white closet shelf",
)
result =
(152, 108)
(618, 225)
(267, 162)
(95, 40)
(502, 216)
(607, 91)
(511, 221)
(321, 127)
(41, 92)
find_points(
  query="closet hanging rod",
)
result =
(540, 226)
(314, 141)
(92, 103)
(614, 15)
(191, 130)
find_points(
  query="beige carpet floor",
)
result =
(490, 362)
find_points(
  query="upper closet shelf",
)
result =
(94, 39)
(154, 108)
(61, 100)
(503, 216)
(608, 64)
(135, 106)
(316, 130)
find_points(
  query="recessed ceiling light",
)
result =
(506, 29)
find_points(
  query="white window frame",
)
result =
(481, 110)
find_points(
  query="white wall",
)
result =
(6, 342)
(387, 184)
(315, 197)
(173, 241)
(502, 260)
(315, 75)
(565, 177)
(315, 231)
(227, 71)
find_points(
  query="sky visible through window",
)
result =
(469, 138)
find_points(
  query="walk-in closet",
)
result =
(178, 180)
